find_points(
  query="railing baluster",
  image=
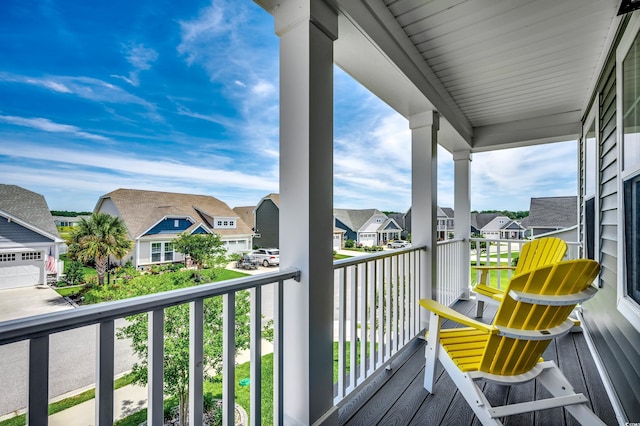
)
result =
(38, 392)
(229, 361)
(403, 300)
(278, 359)
(342, 350)
(393, 283)
(380, 324)
(362, 285)
(386, 272)
(196, 361)
(155, 361)
(104, 373)
(256, 357)
(353, 317)
(371, 285)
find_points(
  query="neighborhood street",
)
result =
(71, 365)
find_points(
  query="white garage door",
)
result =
(336, 242)
(368, 239)
(237, 246)
(20, 269)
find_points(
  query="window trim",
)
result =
(592, 117)
(625, 304)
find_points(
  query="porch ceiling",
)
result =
(501, 73)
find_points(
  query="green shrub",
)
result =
(74, 273)
(349, 244)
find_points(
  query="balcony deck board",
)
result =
(400, 399)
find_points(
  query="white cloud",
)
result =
(47, 125)
(116, 162)
(263, 88)
(141, 58)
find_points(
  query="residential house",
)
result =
(480, 220)
(68, 220)
(245, 213)
(445, 223)
(267, 221)
(502, 228)
(29, 239)
(550, 214)
(154, 218)
(367, 227)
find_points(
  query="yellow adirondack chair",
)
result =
(535, 309)
(543, 251)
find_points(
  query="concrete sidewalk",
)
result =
(126, 401)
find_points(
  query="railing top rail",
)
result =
(502, 240)
(450, 241)
(374, 256)
(45, 324)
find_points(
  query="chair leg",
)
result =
(471, 393)
(558, 385)
(431, 352)
(479, 308)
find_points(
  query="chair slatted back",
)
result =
(543, 251)
(510, 356)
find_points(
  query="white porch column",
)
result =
(307, 29)
(462, 208)
(424, 199)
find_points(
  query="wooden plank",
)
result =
(436, 404)
(570, 366)
(407, 405)
(554, 416)
(517, 394)
(375, 383)
(381, 402)
(595, 389)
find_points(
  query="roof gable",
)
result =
(29, 208)
(560, 212)
(141, 210)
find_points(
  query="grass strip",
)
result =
(63, 404)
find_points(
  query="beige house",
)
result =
(154, 218)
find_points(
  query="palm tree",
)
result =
(97, 238)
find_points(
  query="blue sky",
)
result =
(183, 96)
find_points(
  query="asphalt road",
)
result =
(71, 365)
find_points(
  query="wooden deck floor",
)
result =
(397, 397)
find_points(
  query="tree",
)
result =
(204, 249)
(176, 344)
(97, 238)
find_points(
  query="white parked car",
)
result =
(266, 256)
(399, 244)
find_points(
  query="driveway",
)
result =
(28, 301)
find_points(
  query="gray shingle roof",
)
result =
(140, 209)
(480, 220)
(556, 212)
(355, 219)
(246, 214)
(27, 206)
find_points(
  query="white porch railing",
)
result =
(37, 330)
(452, 283)
(501, 252)
(376, 312)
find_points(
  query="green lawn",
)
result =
(63, 404)
(70, 291)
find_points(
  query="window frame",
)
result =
(592, 119)
(626, 305)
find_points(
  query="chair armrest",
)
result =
(493, 268)
(446, 312)
(484, 276)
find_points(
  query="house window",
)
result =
(628, 122)
(632, 236)
(225, 223)
(32, 255)
(156, 252)
(176, 223)
(7, 257)
(168, 252)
